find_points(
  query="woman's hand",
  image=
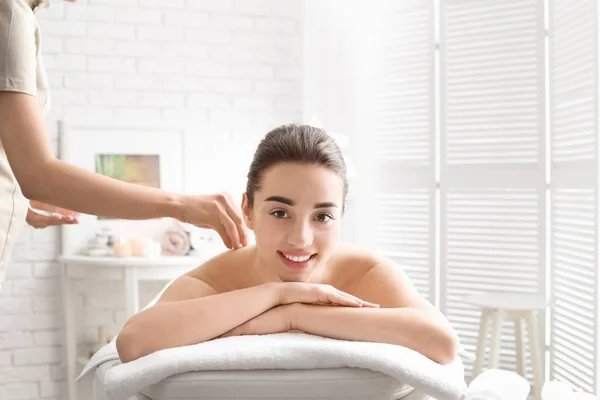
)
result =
(59, 216)
(276, 320)
(314, 293)
(218, 212)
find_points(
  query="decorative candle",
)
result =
(122, 248)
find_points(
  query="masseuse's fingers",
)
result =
(47, 207)
(227, 229)
(237, 232)
(216, 211)
(39, 221)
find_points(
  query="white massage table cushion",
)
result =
(330, 384)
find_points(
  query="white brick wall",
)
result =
(232, 68)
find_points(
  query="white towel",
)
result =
(281, 351)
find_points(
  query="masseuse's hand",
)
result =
(60, 217)
(315, 293)
(218, 212)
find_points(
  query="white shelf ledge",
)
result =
(146, 262)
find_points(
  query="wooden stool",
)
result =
(497, 307)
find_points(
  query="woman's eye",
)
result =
(324, 217)
(279, 214)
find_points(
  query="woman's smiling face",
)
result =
(296, 218)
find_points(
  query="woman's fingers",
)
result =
(343, 298)
(346, 300)
(362, 303)
(319, 294)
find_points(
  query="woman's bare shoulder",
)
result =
(350, 263)
(221, 273)
(375, 278)
(225, 272)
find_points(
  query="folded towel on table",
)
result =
(281, 351)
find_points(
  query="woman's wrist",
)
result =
(276, 292)
(295, 311)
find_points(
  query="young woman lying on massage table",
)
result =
(298, 275)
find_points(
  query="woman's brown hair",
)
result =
(295, 143)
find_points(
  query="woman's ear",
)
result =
(246, 211)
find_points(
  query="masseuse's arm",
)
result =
(404, 318)
(191, 312)
(44, 178)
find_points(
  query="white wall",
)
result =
(230, 69)
(332, 93)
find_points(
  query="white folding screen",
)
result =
(492, 184)
(369, 74)
(398, 66)
(332, 50)
(493, 178)
(573, 70)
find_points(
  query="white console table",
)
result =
(130, 271)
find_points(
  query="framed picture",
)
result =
(149, 157)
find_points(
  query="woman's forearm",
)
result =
(182, 323)
(83, 191)
(409, 327)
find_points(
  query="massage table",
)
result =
(330, 384)
(335, 375)
(291, 366)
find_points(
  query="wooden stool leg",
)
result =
(480, 355)
(497, 318)
(519, 346)
(534, 351)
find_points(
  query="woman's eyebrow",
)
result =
(290, 202)
(325, 205)
(281, 199)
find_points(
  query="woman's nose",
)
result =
(301, 235)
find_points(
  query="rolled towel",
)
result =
(496, 384)
(176, 243)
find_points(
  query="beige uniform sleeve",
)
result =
(18, 30)
(18, 73)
